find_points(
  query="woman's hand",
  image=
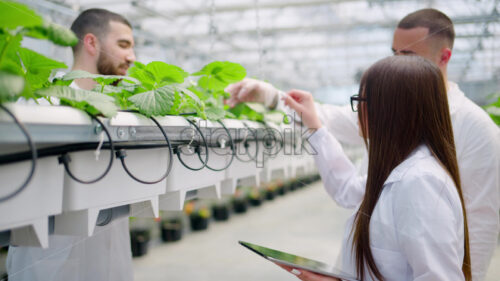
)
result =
(305, 275)
(303, 103)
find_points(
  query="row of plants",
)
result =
(198, 214)
(153, 89)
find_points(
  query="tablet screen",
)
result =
(297, 261)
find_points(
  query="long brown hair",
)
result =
(406, 105)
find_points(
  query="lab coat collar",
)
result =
(455, 97)
(418, 153)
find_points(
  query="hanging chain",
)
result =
(259, 40)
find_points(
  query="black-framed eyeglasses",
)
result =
(355, 100)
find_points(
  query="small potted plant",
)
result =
(292, 184)
(198, 215)
(139, 239)
(280, 188)
(288, 186)
(317, 177)
(239, 202)
(300, 183)
(220, 211)
(254, 197)
(171, 229)
(270, 191)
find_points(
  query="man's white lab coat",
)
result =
(105, 256)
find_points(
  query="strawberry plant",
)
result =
(156, 89)
(22, 71)
(25, 73)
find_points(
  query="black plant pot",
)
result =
(171, 230)
(220, 212)
(270, 194)
(198, 222)
(240, 205)
(255, 201)
(317, 177)
(281, 190)
(300, 183)
(139, 239)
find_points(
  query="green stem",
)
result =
(4, 50)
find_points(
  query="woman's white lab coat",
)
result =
(417, 226)
(477, 141)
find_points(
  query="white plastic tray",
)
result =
(82, 202)
(27, 213)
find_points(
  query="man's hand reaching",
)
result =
(252, 90)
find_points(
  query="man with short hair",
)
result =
(428, 33)
(105, 47)
(106, 44)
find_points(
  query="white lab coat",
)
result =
(105, 256)
(417, 226)
(477, 142)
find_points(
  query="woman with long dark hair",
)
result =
(411, 223)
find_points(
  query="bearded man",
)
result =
(105, 47)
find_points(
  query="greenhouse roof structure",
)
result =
(318, 45)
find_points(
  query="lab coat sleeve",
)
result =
(429, 227)
(337, 171)
(338, 120)
(341, 121)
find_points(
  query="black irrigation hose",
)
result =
(58, 150)
(233, 149)
(33, 156)
(65, 159)
(122, 154)
(245, 144)
(197, 150)
(268, 143)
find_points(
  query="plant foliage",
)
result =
(156, 88)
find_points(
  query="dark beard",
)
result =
(104, 65)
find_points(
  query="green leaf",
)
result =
(187, 92)
(167, 72)
(496, 119)
(275, 116)
(218, 75)
(257, 107)
(11, 86)
(199, 92)
(155, 102)
(9, 60)
(108, 89)
(82, 99)
(59, 82)
(157, 74)
(493, 110)
(13, 14)
(244, 111)
(230, 115)
(215, 113)
(38, 67)
(101, 79)
(51, 31)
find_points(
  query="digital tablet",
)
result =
(297, 262)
